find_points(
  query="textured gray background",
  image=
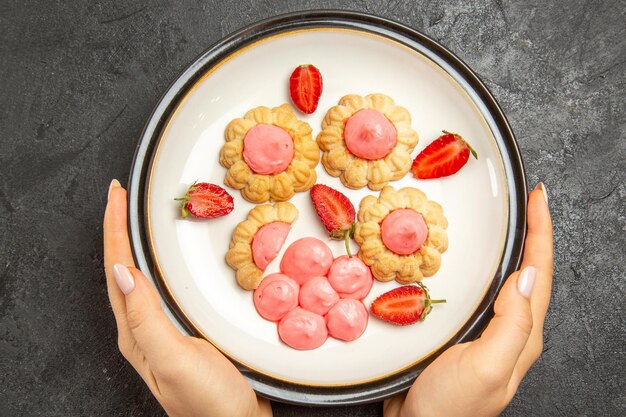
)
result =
(79, 79)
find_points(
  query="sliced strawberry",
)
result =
(443, 157)
(305, 88)
(334, 208)
(206, 201)
(335, 211)
(404, 305)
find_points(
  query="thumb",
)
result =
(154, 333)
(504, 339)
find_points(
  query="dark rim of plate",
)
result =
(513, 166)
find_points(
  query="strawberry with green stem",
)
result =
(205, 201)
(404, 305)
(336, 213)
(445, 156)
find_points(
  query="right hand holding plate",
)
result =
(480, 378)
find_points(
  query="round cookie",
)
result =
(387, 265)
(269, 154)
(241, 256)
(367, 141)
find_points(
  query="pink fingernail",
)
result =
(543, 188)
(123, 278)
(526, 281)
(114, 183)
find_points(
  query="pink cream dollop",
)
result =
(302, 329)
(317, 295)
(350, 277)
(267, 242)
(347, 319)
(306, 258)
(275, 296)
(404, 231)
(369, 134)
(267, 149)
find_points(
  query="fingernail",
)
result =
(542, 187)
(123, 278)
(114, 183)
(526, 281)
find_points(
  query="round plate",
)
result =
(485, 203)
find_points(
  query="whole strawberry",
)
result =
(404, 305)
(305, 88)
(205, 201)
(443, 157)
(335, 211)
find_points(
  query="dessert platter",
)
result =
(299, 200)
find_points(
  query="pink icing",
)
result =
(306, 258)
(369, 134)
(267, 149)
(267, 243)
(317, 295)
(302, 329)
(347, 319)
(276, 296)
(350, 277)
(404, 231)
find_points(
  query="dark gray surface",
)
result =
(79, 79)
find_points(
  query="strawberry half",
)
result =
(205, 201)
(335, 211)
(443, 157)
(404, 305)
(305, 88)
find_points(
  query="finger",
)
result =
(153, 332)
(117, 250)
(265, 407)
(497, 351)
(538, 252)
(392, 407)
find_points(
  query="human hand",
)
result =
(187, 375)
(480, 378)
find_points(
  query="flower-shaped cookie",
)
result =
(257, 240)
(269, 154)
(402, 235)
(367, 141)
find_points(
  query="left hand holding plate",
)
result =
(187, 375)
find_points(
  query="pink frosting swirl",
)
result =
(302, 329)
(275, 296)
(404, 231)
(267, 243)
(317, 295)
(347, 319)
(369, 134)
(267, 149)
(306, 258)
(350, 277)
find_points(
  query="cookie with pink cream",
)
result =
(257, 240)
(402, 235)
(270, 154)
(367, 141)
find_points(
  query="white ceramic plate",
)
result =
(187, 256)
